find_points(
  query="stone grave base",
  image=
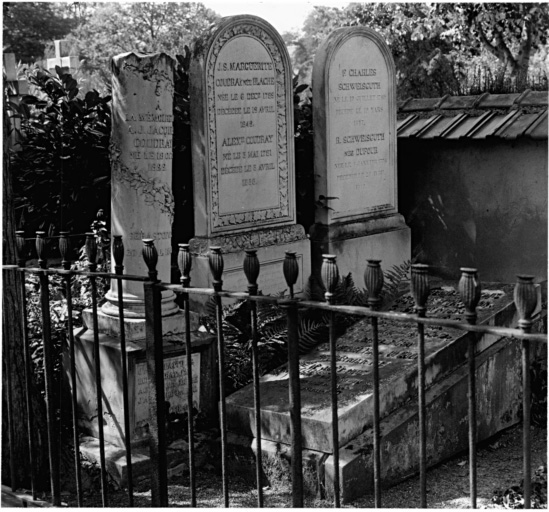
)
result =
(271, 245)
(498, 385)
(382, 238)
(117, 466)
(204, 380)
(135, 328)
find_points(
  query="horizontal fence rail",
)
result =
(525, 297)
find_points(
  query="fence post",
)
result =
(525, 301)
(330, 277)
(20, 245)
(251, 270)
(291, 271)
(184, 261)
(155, 371)
(373, 280)
(420, 292)
(469, 289)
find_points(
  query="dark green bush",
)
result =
(61, 169)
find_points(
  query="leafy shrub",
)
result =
(61, 169)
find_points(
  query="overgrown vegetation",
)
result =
(61, 165)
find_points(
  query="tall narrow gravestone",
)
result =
(142, 207)
(243, 154)
(354, 115)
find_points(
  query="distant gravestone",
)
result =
(68, 63)
(354, 115)
(243, 153)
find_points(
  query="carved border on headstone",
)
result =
(155, 193)
(249, 240)
(148, 71)
(257, 216)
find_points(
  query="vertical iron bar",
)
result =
(422, 413)
(290, 270)
(118, 254)
(526, 438)
(330, 277)
(373, 279)
(215, 260)
(525, 296)
(184, 261)
(155, 371)
(28, 386)
(91, 253)
(222, 411)
(469, 289)
(335, 419)
(377, 433)
(190, 425)
(295, 404)
(257, 404)
(74, 391)
(7, 371)
(20, 245)
(157, 399)
(64, 249)
(48, 370)
(420, 291)
(98, 389)
(251, 270)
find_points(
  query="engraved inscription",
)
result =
(175, 385)
(359, 164)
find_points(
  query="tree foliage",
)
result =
(437, 47)
(113, 28)
(30, 26)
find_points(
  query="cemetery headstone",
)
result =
(63, 59)
(354, 115)
(243, 154)
(142, 207)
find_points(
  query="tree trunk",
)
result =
(13, 369)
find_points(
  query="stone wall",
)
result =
(480, 203)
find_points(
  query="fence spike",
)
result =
(251, 269)
(469, 290)
(118, 254)
(20, 247)
(150, 255)
(184, 262)
(330, 275)
(41, 249)
(525, 297)
(290, 268)
(64, 249)
(420, 286)
(373, 280)
(215, 259)
(91, 251)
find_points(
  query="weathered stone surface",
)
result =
(204, 391)
(498, 392)
(141, 159)
(354, 114)
(243, 150)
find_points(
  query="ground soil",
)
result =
(499, 463)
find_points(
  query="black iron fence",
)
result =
(525, 297)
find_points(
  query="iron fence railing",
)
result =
(525, 297)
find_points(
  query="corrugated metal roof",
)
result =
(507, 116)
